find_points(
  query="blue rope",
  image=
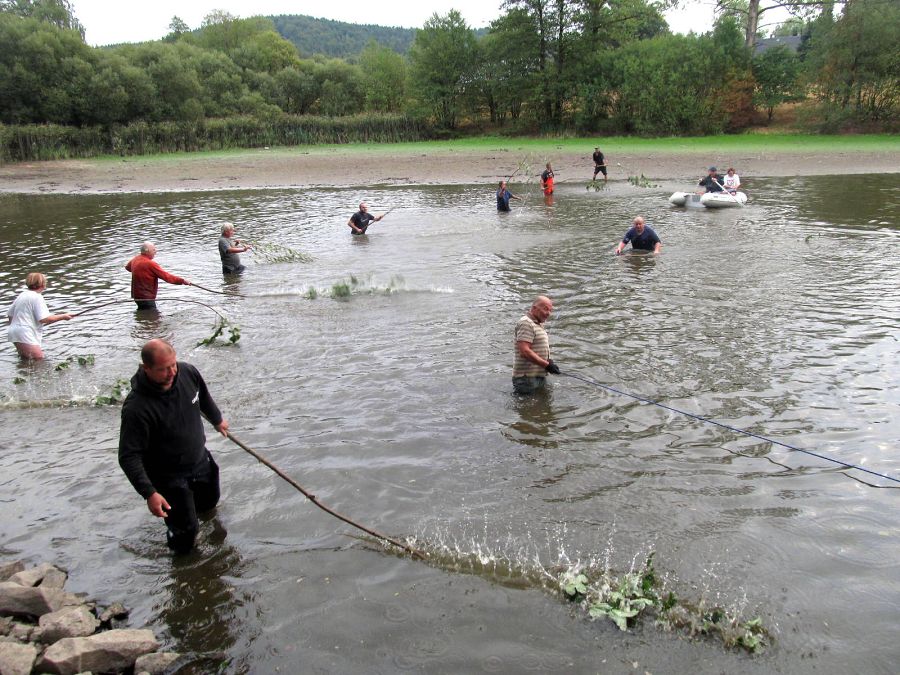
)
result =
(726, 426)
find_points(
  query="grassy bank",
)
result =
(630, 145)
(611, 146)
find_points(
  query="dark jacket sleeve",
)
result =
(134, 436)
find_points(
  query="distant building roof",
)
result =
(792, 42)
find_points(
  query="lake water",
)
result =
(394, 406)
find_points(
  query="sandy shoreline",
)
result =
(345, 167)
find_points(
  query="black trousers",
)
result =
(145, 304)
(188, 497)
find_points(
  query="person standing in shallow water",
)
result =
(532, 356)
(547, 180)
(642, 238)
(162, 445)
(503, 197)
(27, 317)
(361, 220)
(145, 276)
(228, 251)
(599, 164)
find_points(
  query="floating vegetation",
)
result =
(597, 185)
(624, 599)
(340, 290)
(234, 333)
(311, 293)
(116, 395)
(19, 380)
(641, 181)
(278, 253)
(85, 360)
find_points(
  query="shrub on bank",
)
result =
(31, 142)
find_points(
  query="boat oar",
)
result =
(727, 192)
(311, 497)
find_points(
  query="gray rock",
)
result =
(110, 651)
(18, 600)
(21, 631)
(33, 575)
(16, 659)
(10, 568)
(67, 622)
(5, 625)
(114, 611)
(156, 663)
(54, 578)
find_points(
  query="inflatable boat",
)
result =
(685, 199)
(711, 200)
(723, 200)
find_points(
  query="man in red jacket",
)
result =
(145, 276)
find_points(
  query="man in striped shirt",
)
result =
(533, 362)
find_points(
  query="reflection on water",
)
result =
(393, 404)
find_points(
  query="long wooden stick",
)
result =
(226, 293)
(311, 497)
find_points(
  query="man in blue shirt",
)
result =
(503, 197)
(642, 238)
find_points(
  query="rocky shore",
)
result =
(45, 629)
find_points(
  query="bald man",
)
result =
(642, 238)
(532, 360)
(162, 445)
(361, 220)
(145, 276)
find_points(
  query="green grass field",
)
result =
(703, 145)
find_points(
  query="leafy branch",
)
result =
(641, 181)
(625, 599)
(278, 253)
(234, 333)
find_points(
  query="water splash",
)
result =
(589, 581)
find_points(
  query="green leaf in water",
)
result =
(340, 290)
(19, 380)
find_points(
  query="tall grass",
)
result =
(50, 141)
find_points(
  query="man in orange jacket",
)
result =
(145, 276)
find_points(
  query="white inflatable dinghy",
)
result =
(723, 200)
(685, 199)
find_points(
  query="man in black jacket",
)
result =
(712, 181)
(162, 445)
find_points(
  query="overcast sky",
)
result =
(114, 21)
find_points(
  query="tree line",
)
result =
(590, 66)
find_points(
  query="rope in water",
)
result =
(122, 300)
(311, 497)
(729, 427)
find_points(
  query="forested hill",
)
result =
(339, 39)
